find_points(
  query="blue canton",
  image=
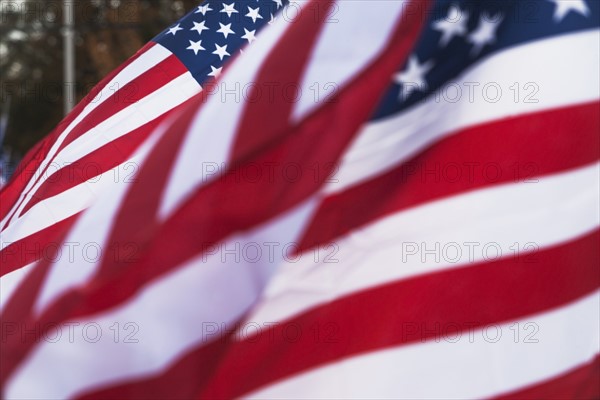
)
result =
(215, 31)
(461, 33)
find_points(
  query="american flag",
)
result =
(382, 199)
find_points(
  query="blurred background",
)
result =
(105, 33)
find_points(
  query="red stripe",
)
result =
(513, 150)
(580, 383)
(11, 192)
(268, 117)
(18, 308)
(136, 220)
(34, 247)
(378, 318)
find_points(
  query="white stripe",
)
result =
(144, 62)
(173, 314)
(556, 209)
(325, 73)
(11, 281)
(471, 367)
(384, 144)
(78, 198)
(151, 57)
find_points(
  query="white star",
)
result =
(413, 77)
(455, 24)
(485, 33)
(225, 30)
(279, 3)
(195, 46)
(203, 9)
(253, 13)
(249, 36)
(199, 27)
(221, 51)
(563, 7)
(215, 71)
(229, 9)
(272, 21)
(173, 31)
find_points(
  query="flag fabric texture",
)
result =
(382, 199)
